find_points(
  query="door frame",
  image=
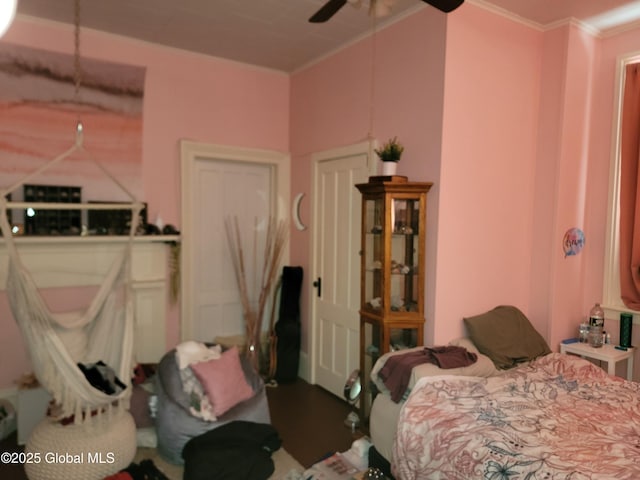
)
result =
(366, 148)
(190, 153)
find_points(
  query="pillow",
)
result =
(223, 381)
(506, 336)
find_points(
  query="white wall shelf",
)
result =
(29, 239)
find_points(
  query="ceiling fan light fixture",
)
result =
(380, 8)
(445, 6)
(377, 8)
(327, 11)
(7, 14)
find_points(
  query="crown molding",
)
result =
(611, 32)
(506, 13)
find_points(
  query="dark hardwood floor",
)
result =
(11, 471)
(309, 419)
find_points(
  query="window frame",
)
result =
(611, 296)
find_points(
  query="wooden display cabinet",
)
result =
(392, 271)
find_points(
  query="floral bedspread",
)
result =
(559, 417)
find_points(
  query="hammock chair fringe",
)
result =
(110, 313)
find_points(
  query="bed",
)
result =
(385, 412)
(547, 415)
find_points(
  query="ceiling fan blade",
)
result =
(445, 6)
(327, 11)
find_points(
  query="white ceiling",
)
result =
(275, 33)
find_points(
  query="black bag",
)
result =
(288, 328)
(237, 450)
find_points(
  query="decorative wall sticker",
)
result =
(573, 242)
(295, 212)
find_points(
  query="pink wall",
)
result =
(600, 148)
(573, 177)
(573, 165)
(187, 96)
(330, 105)
(545, 193)
(513, 126)
(520, 155)
(488, 162)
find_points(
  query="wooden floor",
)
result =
(310, 422)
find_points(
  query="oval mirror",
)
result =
(352, 387)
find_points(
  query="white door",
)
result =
(336, 264)
(222, 183)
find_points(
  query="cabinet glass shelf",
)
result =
(392, 270)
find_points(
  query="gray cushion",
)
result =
(174, 423)
(506, 336)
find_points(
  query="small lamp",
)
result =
(7, 14)
(352, 390)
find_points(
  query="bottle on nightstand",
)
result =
(596, 326)
(583, 332)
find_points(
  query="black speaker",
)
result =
(626, 322)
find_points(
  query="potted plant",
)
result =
(390, 154)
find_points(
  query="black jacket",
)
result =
(238, 450)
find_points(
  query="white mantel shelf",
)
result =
(33, 239)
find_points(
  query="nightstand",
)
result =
(607, 353)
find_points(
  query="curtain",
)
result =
(629, 191)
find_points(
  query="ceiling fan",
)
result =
(377, 7)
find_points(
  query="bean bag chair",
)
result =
(175, 422)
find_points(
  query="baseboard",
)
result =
(304, 369)
(10, 394)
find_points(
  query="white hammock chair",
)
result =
(57, 342)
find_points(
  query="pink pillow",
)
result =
(223, 381)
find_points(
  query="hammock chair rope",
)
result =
(105, 328)
(103, 331)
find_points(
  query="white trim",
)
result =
(366, 148)
(611, 300)
(503, 12)
(190, 152)
(620, 29)
(73, 239)
(587, 27)
(304, 368)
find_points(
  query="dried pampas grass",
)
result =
(254, 300)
